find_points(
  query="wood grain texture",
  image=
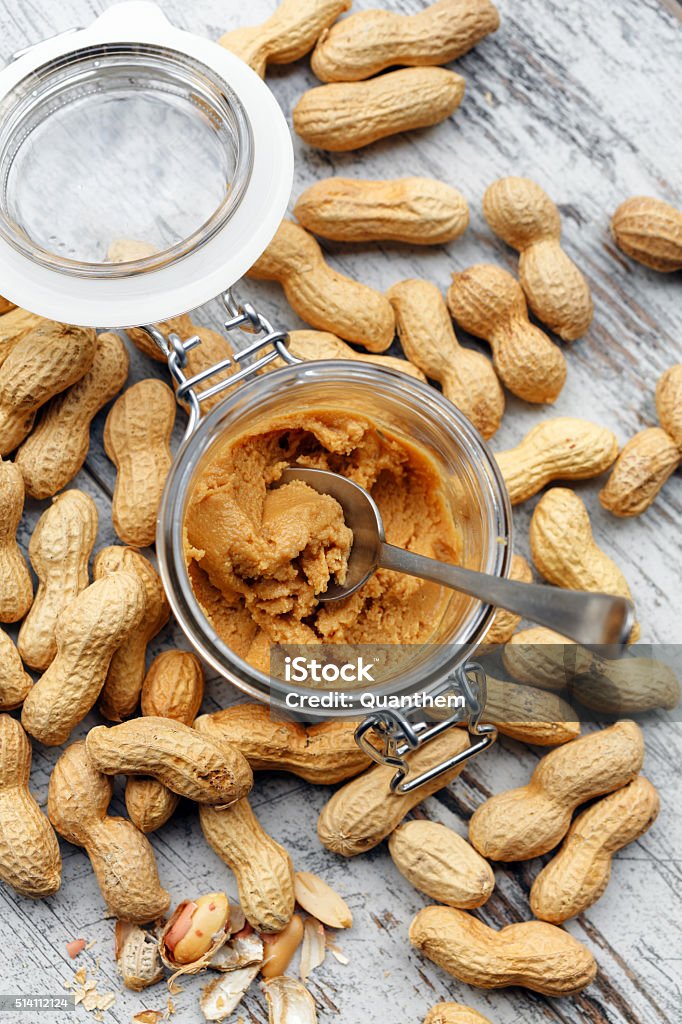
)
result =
(584, 98)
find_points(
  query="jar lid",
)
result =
(143, 170)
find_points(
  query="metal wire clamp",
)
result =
(397, 736)
(272, 343)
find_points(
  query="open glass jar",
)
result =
(472, 486)
(131, 129)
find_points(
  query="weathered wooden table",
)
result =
(584, 98)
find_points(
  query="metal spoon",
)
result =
(589, 619)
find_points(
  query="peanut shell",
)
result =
(262, 868)
(323, 345)
(57, 447)
(173, 688)
(556, 449)
(87, 633)
(121, 857)
(530, 820)
(348, 115)
(525, 217)
(137, 437)
(577, 876)
(59, 549)
(370, 41)
(419, 211)
(287, 35)
(15, 682)
(188, 763)
(16, 586)
(532, 954)
(650, 231)
(441, 864)
(365, 811)
(488, 302)
(564, 550)
(327, 300)
(669, 402)
(428, 340)
(46, 361)
(123, 685)
(322, 754)
(640, 471)
(454, 1013)
(29, 852)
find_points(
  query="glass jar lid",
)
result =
(142, 171)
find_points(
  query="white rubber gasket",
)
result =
(200, 275)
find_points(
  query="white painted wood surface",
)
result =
(585, 98)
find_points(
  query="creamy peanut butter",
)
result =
(259, 557)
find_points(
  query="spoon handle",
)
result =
(589, 619)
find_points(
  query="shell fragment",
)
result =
(223, 995)
(289, 1002)
(137, 957)
(314, 947)
(240, 951)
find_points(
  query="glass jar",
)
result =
(407, 408)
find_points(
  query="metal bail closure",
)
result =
(398, 736)
(270, 344)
